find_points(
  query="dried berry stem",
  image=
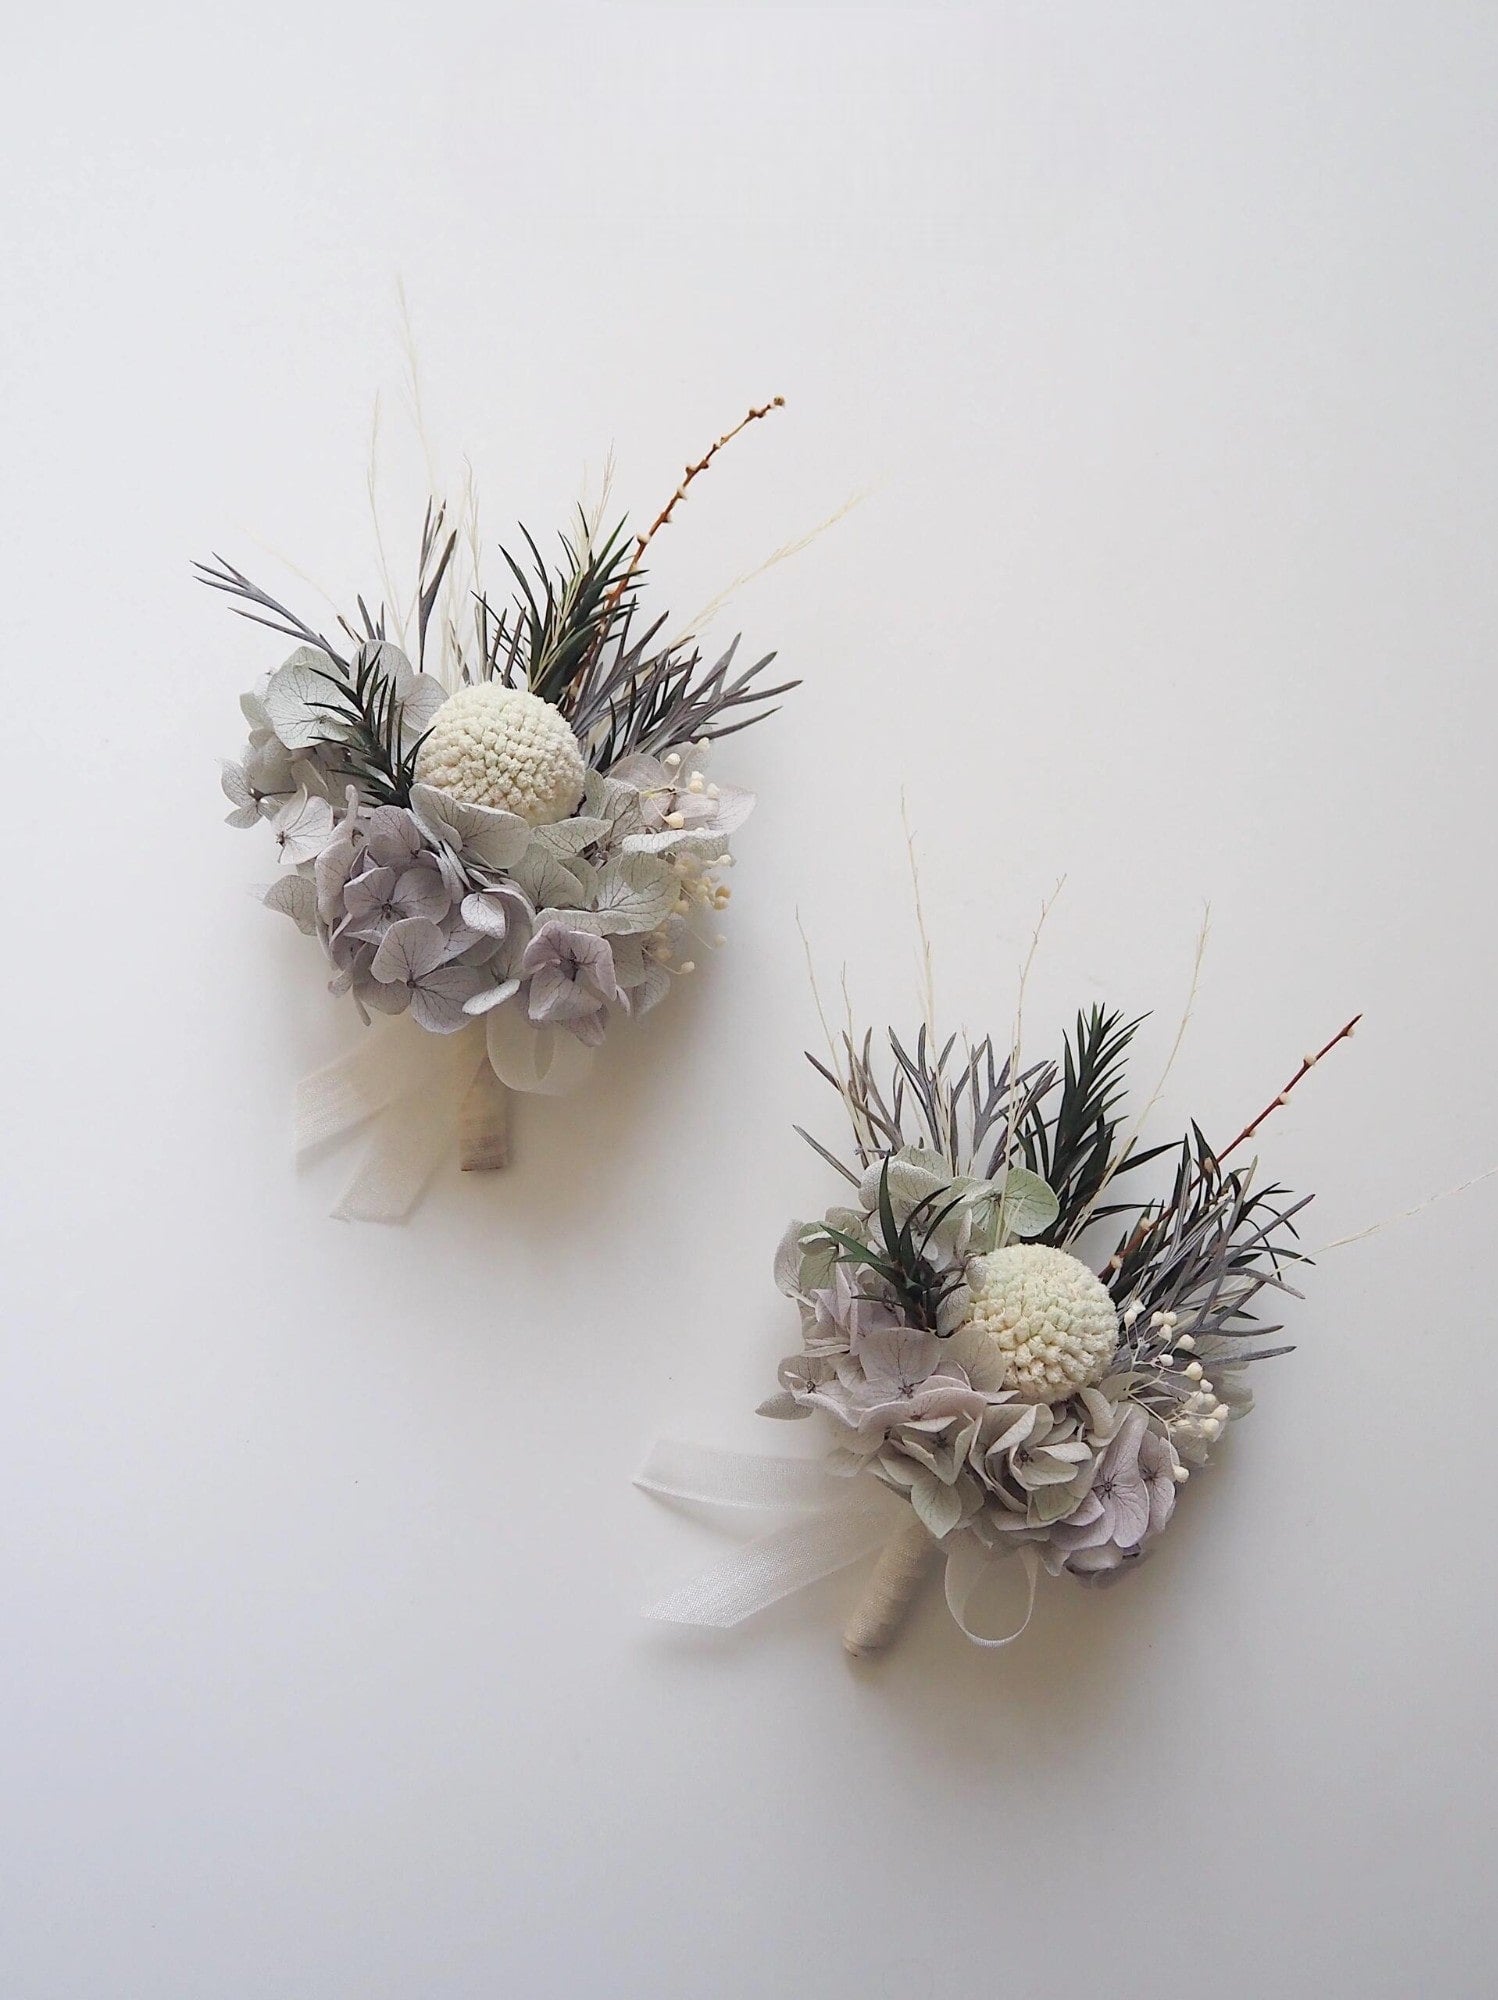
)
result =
(642, 542)
(1147, 1223)
(1307, 1064)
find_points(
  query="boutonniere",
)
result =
(1023, 1332)
(498, 815)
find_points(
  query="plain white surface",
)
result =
(1163, 336)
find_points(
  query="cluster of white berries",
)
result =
(1047, 1315)
(698, 886)
(1201, 1419)
(497, 746)
(1201, 1416)
(696, 786)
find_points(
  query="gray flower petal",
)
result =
(408, 952)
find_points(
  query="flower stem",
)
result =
(890, 1590)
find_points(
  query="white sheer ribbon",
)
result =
(842, 1521)
(411, 1084)
(969, 1566)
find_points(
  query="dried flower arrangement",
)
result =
(498, 821)
(966, 1355)
(1000, 1328)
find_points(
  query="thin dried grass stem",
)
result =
(1011, 1119)
(1404, 1214)
(927, 959)
(794, 547)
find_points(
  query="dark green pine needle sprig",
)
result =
(570, 636)
(1072, 1143)
(561, 617)
(900, 1260)
(370, 735)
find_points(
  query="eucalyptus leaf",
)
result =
(1027, 1205)
(819, 1261)
(912, 1175)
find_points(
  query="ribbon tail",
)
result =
(715, 1478)
(413, 1135)
(776, 1565)
(342, 1095)
(968, 1566)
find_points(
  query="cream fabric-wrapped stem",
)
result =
(890, 1589)
(416, 1090)
(484, 1124)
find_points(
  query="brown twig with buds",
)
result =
(1307, 1064)
(689, 473)
(1148, 1223)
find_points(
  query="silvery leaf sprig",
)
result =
(501, 822)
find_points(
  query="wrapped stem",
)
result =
(891, 1587)
(484, 1124)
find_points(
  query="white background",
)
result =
(1161, 337)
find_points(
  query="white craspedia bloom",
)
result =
(498, 746)
(1045, 1315)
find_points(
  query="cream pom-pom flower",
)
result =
(497, 746)
(1041, 1318)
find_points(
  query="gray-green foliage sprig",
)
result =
(640, 699)
(964, 1109)
(1197, 1259)
(570, 636)
(1205, 1254)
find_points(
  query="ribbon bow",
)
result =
(842, 1520)
(424, 1092)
